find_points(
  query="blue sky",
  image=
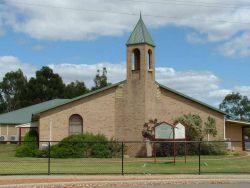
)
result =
(206, 60)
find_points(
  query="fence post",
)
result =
(122, 158)
(49, 159)
(199, 157)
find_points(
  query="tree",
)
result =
(193, 126)
(148, 129)
(210, 127)
(100, 80)
(3, 105)
(75, 89)
(13, 89)
(45, 86)
(236, 106)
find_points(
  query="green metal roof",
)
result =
(24, 115)
(83, 96)
(190, 98)
(140, 35)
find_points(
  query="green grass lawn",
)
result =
(9, 164)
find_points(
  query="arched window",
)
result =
(136, 59)
(75, 124)
(149, 59)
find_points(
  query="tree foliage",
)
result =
(45, 86)
(18, 92)
(210, 127)
(100, 79)
(193, 126)
(29, 147)
(3, 104)
(148, 129)
(13, 90)
(195, 129)
(75, 89)
(236, 106)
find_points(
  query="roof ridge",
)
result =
(32, 105)
(190, 98)
(142, 27)
(24, 115)
(140, 34)
(86, 95)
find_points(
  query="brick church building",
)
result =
(118, 111)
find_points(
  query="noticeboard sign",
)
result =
(164, 131)
(180, 132)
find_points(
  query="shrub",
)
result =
(115, 148)
(44, 153)
(85, 145)
(29, 147)
(165, 149)
(213, 148)
(207, 148)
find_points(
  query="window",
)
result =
(75, 124)
(149, 59)
(136, 59)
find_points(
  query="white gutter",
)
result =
(28, 125)
(239, 122)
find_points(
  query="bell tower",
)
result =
(138, 103)
(140, 55)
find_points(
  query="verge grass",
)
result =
(9, 164)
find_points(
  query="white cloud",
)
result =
(193, 83)
(216, 96)
(202, 85)
(86, 72)
(196, 84)
(220, 93)
(211, 20)
(195, 38)
(244, 90)
(70, 20)
(1, 24)
(12, 63)
(238, 46)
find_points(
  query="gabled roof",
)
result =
(190, 98)
(140, 35)
(83, 96)
(24, 115)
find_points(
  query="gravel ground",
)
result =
(141, 181)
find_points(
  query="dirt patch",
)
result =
(109, 181)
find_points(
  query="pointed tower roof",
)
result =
(140, 35)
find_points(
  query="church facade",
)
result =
(118, 111)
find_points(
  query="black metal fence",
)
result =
(165, 157)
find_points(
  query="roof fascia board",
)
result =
(83, 96)
(190, 98)
(239, 122)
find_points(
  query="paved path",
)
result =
(141, 181)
